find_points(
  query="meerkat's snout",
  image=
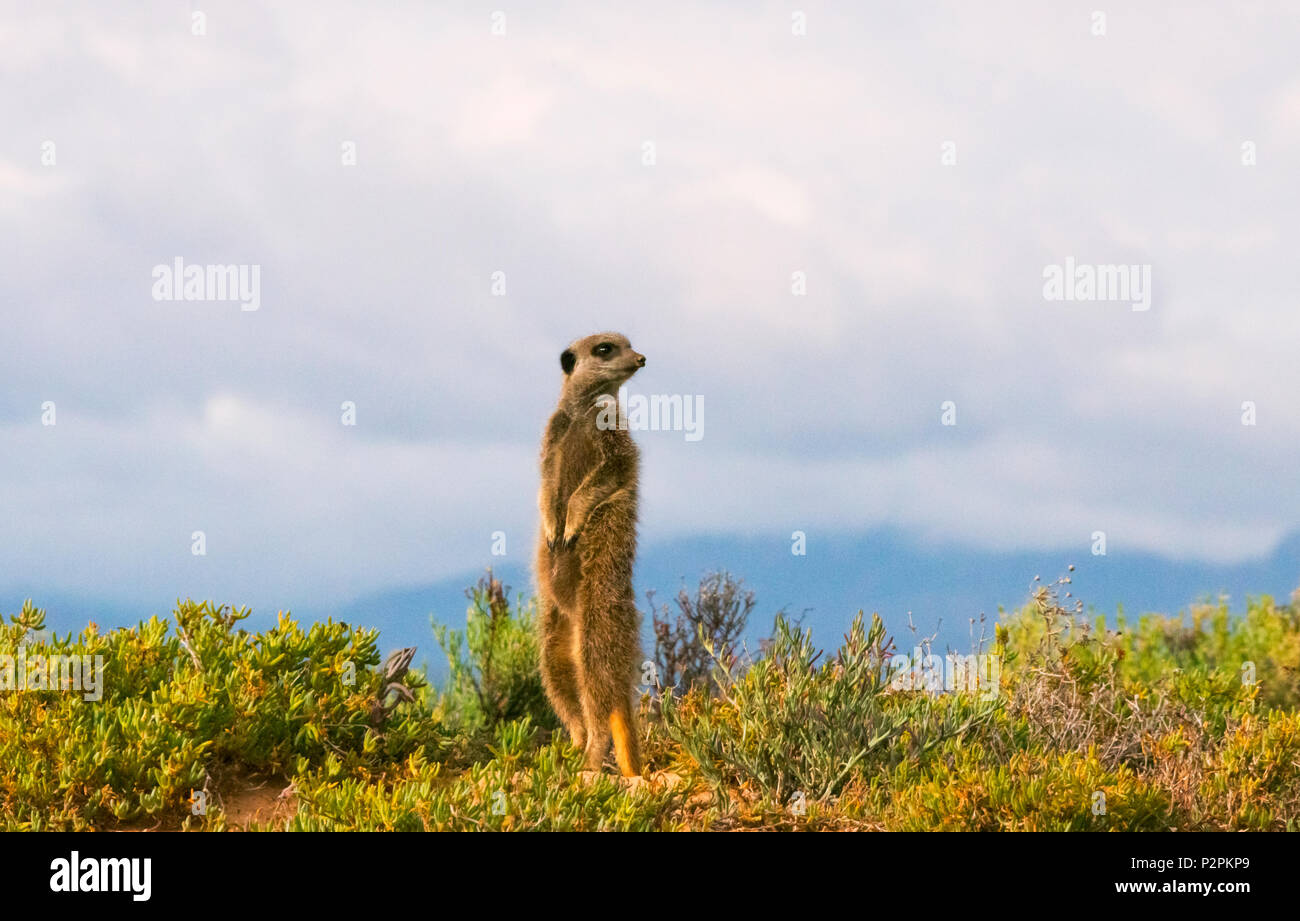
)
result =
(636, 361)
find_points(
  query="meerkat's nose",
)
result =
(640, 360)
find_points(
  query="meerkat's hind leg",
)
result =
(560, 671)
(597, 736)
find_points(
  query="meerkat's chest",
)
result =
(580, 451)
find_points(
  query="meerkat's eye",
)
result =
(603, 349)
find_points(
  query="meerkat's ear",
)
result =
(568, 360)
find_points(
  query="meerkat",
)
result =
(588, 621)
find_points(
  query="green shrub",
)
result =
(1254, 782)
(1265, 642)
(788, 725)
(493, 664)
(180, 707)
(1030, 792)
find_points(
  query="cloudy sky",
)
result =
(663, 172)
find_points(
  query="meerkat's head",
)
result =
(598, 364)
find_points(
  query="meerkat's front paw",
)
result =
(553, 539)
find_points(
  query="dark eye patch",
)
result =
(603, 349)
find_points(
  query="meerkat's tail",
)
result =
(627, 748)
(606, 674)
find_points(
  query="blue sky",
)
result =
(524, 153)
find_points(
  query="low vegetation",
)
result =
(1185, 722)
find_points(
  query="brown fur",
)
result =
(590, 642)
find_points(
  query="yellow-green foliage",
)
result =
(1254, 782)
(1210, 640)
(178, 704)
(1153, 727)
(1031, 791)
(523, 786)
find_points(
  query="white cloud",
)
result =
(522, 153)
